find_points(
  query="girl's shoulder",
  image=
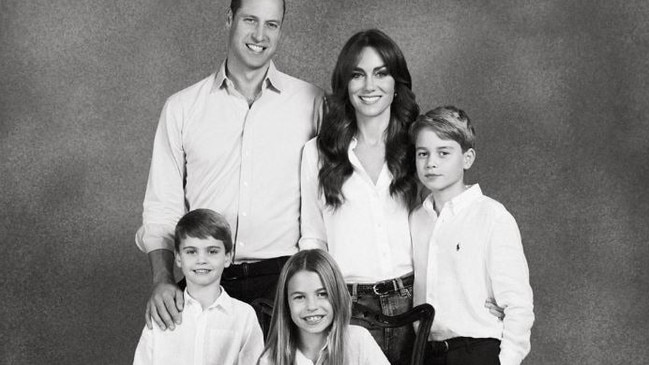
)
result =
(358, 333)
(362, 347)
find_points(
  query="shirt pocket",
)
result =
(221, 347)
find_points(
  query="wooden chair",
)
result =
(424, 313)
(264, 309)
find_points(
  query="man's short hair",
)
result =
(236, 4)
(203, 223)
(449, 123)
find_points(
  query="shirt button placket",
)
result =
(246, 175)
(381, 234)
(200, 339)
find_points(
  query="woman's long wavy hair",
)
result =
(339, 123)
(283, 337)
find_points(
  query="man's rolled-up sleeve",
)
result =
(164, 201)
(312, 228)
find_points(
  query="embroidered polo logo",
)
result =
(457, 247)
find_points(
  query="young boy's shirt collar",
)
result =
(224, 301)
(456, 204)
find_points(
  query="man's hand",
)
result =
(494, 309)
(164, 306)
(167, 299)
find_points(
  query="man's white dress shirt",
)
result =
(227, 332)
(212, 150)
(470, 252)
(368, 234)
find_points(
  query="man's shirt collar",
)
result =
(273, 79)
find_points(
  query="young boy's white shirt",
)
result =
(470, 252)
(227, 332)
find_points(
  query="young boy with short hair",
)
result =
(216, 328)
(466, 247)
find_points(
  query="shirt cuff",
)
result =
(509, 357)
(154, 237)
(311, 243)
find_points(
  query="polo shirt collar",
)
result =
(456, 204)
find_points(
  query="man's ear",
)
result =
(229, 19)
(468, 158)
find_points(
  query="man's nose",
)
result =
(258, 34)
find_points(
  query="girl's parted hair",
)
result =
(283, 333)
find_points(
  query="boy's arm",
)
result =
(144, 350)
(509, 275)
(312, 230)
(494, 309)
(253, 340)
(164, 204)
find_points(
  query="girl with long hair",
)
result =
(358, 183)
(310, 323)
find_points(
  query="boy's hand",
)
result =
(164, 306)
(494, 309)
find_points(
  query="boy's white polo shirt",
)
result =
(470, 252)
(227, 332)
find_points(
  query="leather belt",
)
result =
(251, 269)
(383, 287)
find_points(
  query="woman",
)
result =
(358, 183)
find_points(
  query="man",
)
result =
(232, 143)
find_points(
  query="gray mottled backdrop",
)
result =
(557, 89)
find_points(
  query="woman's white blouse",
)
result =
(368, 234)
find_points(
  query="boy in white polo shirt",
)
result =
(466, 247)
(216, 328)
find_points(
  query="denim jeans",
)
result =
(396, 343)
